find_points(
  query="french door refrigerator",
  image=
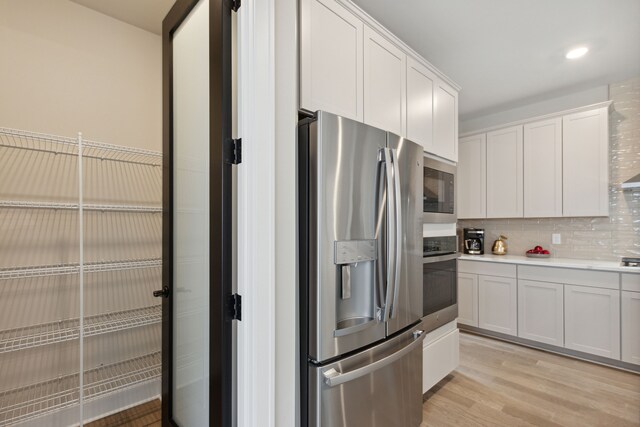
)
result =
(360, 274)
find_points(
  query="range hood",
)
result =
(632, 183)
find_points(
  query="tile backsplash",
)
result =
(590, 238)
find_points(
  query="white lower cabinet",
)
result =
(468, 299)
(630, 327)
(592, 320)
(440, 355)
(498, 304)
(540, 312)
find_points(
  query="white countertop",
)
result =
(553, 262)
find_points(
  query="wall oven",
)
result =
(439, 193)
(439, 281)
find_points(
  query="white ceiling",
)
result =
(509, 53)
(145, 14)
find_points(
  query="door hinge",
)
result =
(233, 153)
(235, 5)
(235, 306)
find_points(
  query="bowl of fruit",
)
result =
(538, 252)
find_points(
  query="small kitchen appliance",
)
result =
(500, 246)
(473, 241)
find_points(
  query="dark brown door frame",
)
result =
(220, 321)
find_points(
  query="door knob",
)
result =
(164, 292)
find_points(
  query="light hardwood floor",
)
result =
(503, 384)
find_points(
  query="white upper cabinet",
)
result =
(504, 173)
(585, 163)
(385, 84)
(445, 121)
(543, 168)
(472, 175)
(331, 59)
(420, 84)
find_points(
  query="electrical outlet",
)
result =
(556, 239)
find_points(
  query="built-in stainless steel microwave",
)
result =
(439, 194)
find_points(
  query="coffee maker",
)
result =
(473, 240)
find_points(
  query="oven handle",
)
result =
(449, 257)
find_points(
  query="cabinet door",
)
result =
(504, 173)
(585, 163)
(468, 299)
(445, 121)
(631, 327)
(592, 320)
(472, 174)
(498, 304)
(543, 168)
(540, 312)
(331, 59)
(385, 88)
(420, 82)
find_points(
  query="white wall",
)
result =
(66, 68)
(547, 106)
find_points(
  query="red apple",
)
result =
(545, 252)
(537, 248)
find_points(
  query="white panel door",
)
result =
(541, 312)
(498, 304)
(592, 320)
(543, 168)
(468, 299)
(385, 83)
(585, 163)
(631, 327)
(504, 173)
(445, 121)
(331, 58)
(420, 83)
(472, 174)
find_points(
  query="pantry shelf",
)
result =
(62, 269)
(39, 399)
(34, 141)
(17, 204)
(66, 330)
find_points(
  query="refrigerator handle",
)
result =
(398, 233)
(391, 252)
(333, 378)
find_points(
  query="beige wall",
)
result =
(590, 238)
(65, 68)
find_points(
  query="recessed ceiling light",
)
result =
(577, 52)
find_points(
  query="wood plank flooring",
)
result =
(147, 414)
(503, 384)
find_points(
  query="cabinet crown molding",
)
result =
(595, 106)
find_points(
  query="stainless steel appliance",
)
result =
(439, 281)
(439, 191)
(360, 289)
(473, 241)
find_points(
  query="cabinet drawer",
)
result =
(631, 282)
(439, 358)
(569, 276)
(487, 268)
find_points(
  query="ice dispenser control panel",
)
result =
(355, 251)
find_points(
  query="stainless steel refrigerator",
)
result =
(360, 274)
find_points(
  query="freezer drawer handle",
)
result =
(332, 377)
